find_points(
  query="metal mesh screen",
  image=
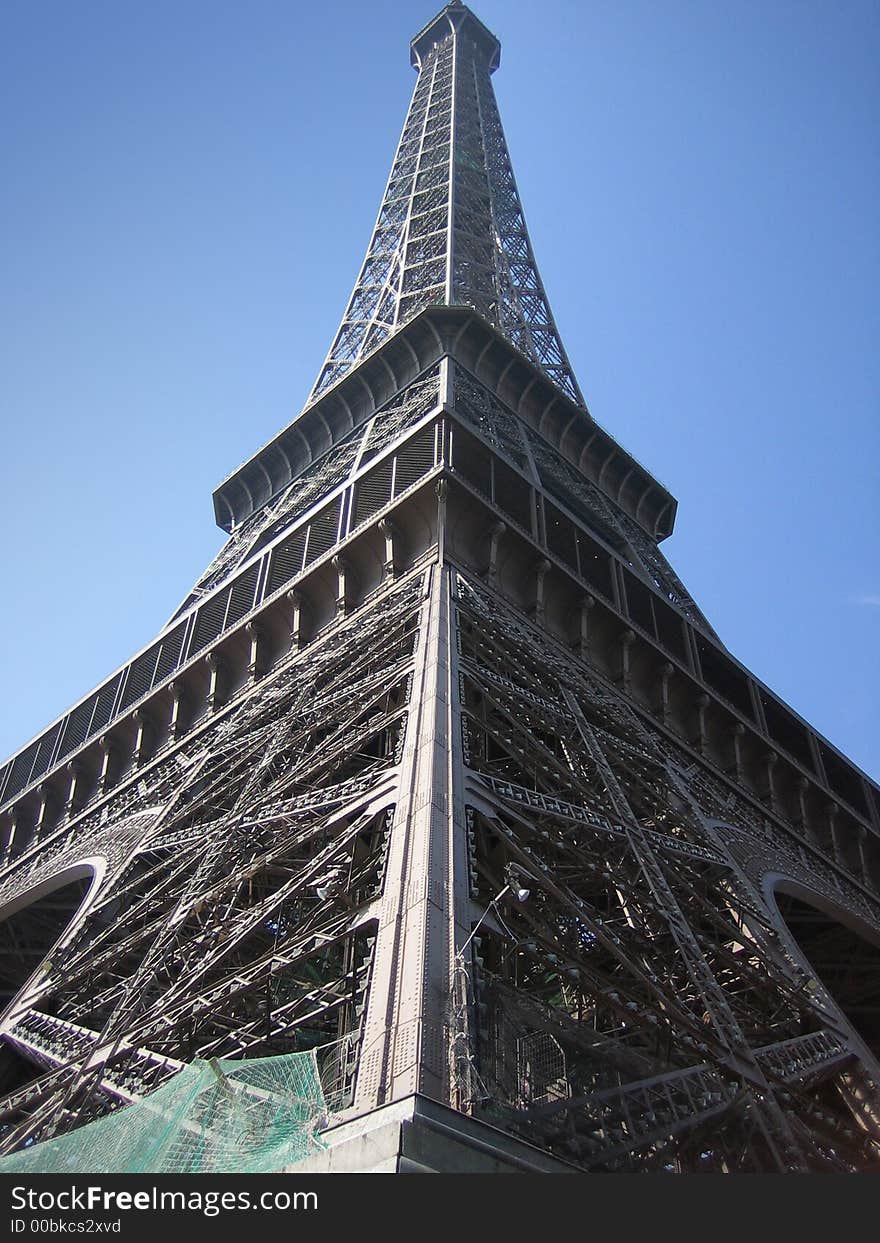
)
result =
(213, 1117)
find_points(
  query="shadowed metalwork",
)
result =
(440, 773)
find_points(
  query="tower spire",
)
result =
(451, 228)
(438, 788)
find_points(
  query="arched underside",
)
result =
(847, 963)
(28, 933)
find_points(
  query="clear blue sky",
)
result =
(188, 191)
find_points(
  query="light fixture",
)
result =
(329, 884)
(517, 891)
(514, 877)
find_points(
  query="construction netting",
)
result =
(215, 1117)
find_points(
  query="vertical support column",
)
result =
(864, 864)
(834, 831)
(9, 836)
(405, 1046)
(75, 772)
(739, 733)
(702, 704)
(297, 603)
(107, 754)
(44, 813)
(344, 577)
(389, 532)
(212, 660)
(442, 489)
(541, 570)
(772, 761)
(583, 637)
(667, 672)
(175, 725)
(496, 534)
(447, 383)
(142, 738)
(256, 667)
(626, 641)
(803, 789)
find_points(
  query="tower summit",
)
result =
(440, 772)
(451, 229)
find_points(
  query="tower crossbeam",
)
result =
(439, 773)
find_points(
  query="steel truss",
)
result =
(638, 1011)
(440, 770)
(451, 227)
(234, 918)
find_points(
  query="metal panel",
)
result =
(20, 771)
(372, 492)
(287, 560)
(104, 701)
(241, 596)
(323, 533)
(414, 459)
(76, 727)
(169, 656)
(209, 621)
(141, 673)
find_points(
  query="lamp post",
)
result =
(462, 1071)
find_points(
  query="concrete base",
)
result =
(420, 1136)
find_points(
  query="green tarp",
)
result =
(222, 1116)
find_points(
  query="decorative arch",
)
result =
(39, 919)
(840, 948)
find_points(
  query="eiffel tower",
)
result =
(440, 771)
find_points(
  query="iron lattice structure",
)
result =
(440, 662)
(451, 228)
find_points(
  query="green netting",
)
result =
(222, 1116)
